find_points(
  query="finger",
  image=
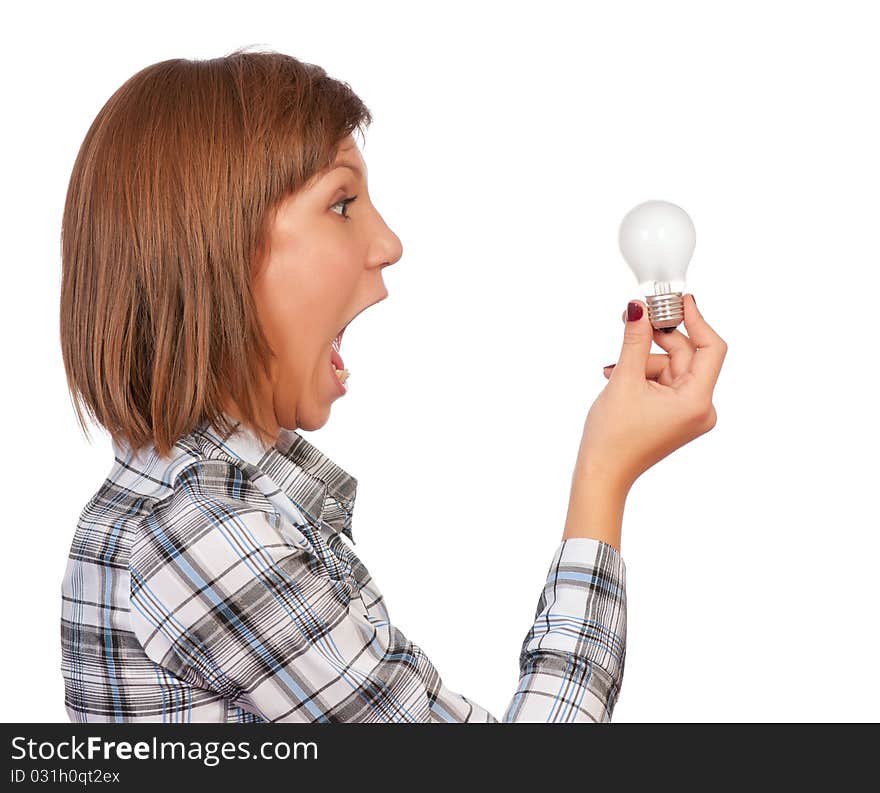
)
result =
(683, 355)
(680, 349)
(710, 348)
(658, 364)
(637, 335)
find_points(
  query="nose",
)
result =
(396, 249)
(388, 249)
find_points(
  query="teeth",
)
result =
(342, 374)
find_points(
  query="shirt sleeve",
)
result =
(229, 596)
(572, 659)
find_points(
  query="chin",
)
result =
(303, 417)
(311, 423)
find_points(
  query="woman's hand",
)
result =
(652, 404)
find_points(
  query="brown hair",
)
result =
(165, 223)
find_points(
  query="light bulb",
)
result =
(657, 240)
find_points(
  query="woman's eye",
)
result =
(344, 203)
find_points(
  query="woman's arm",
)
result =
(231, 599)
(595, 507)
(652, 405)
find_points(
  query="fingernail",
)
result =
(694, 299)
(610, 366)
(633, 311)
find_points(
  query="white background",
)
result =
(509, 140)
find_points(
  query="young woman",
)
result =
(218, 237)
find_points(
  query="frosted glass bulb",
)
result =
(657, 240)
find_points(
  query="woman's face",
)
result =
(324, 267)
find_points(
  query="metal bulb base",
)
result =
(665, 311)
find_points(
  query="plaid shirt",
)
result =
(215, 585)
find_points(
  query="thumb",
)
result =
(637, 338)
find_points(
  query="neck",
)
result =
(266, 418)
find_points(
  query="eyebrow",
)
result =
(346, 165)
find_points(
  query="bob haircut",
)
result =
(165, 223)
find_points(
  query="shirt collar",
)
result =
(316, 484)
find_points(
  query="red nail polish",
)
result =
(633, 312)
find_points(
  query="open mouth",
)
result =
(336, 359)
(338, 364)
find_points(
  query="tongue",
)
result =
(337, 361)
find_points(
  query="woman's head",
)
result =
(201, 273)
(326, 249)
